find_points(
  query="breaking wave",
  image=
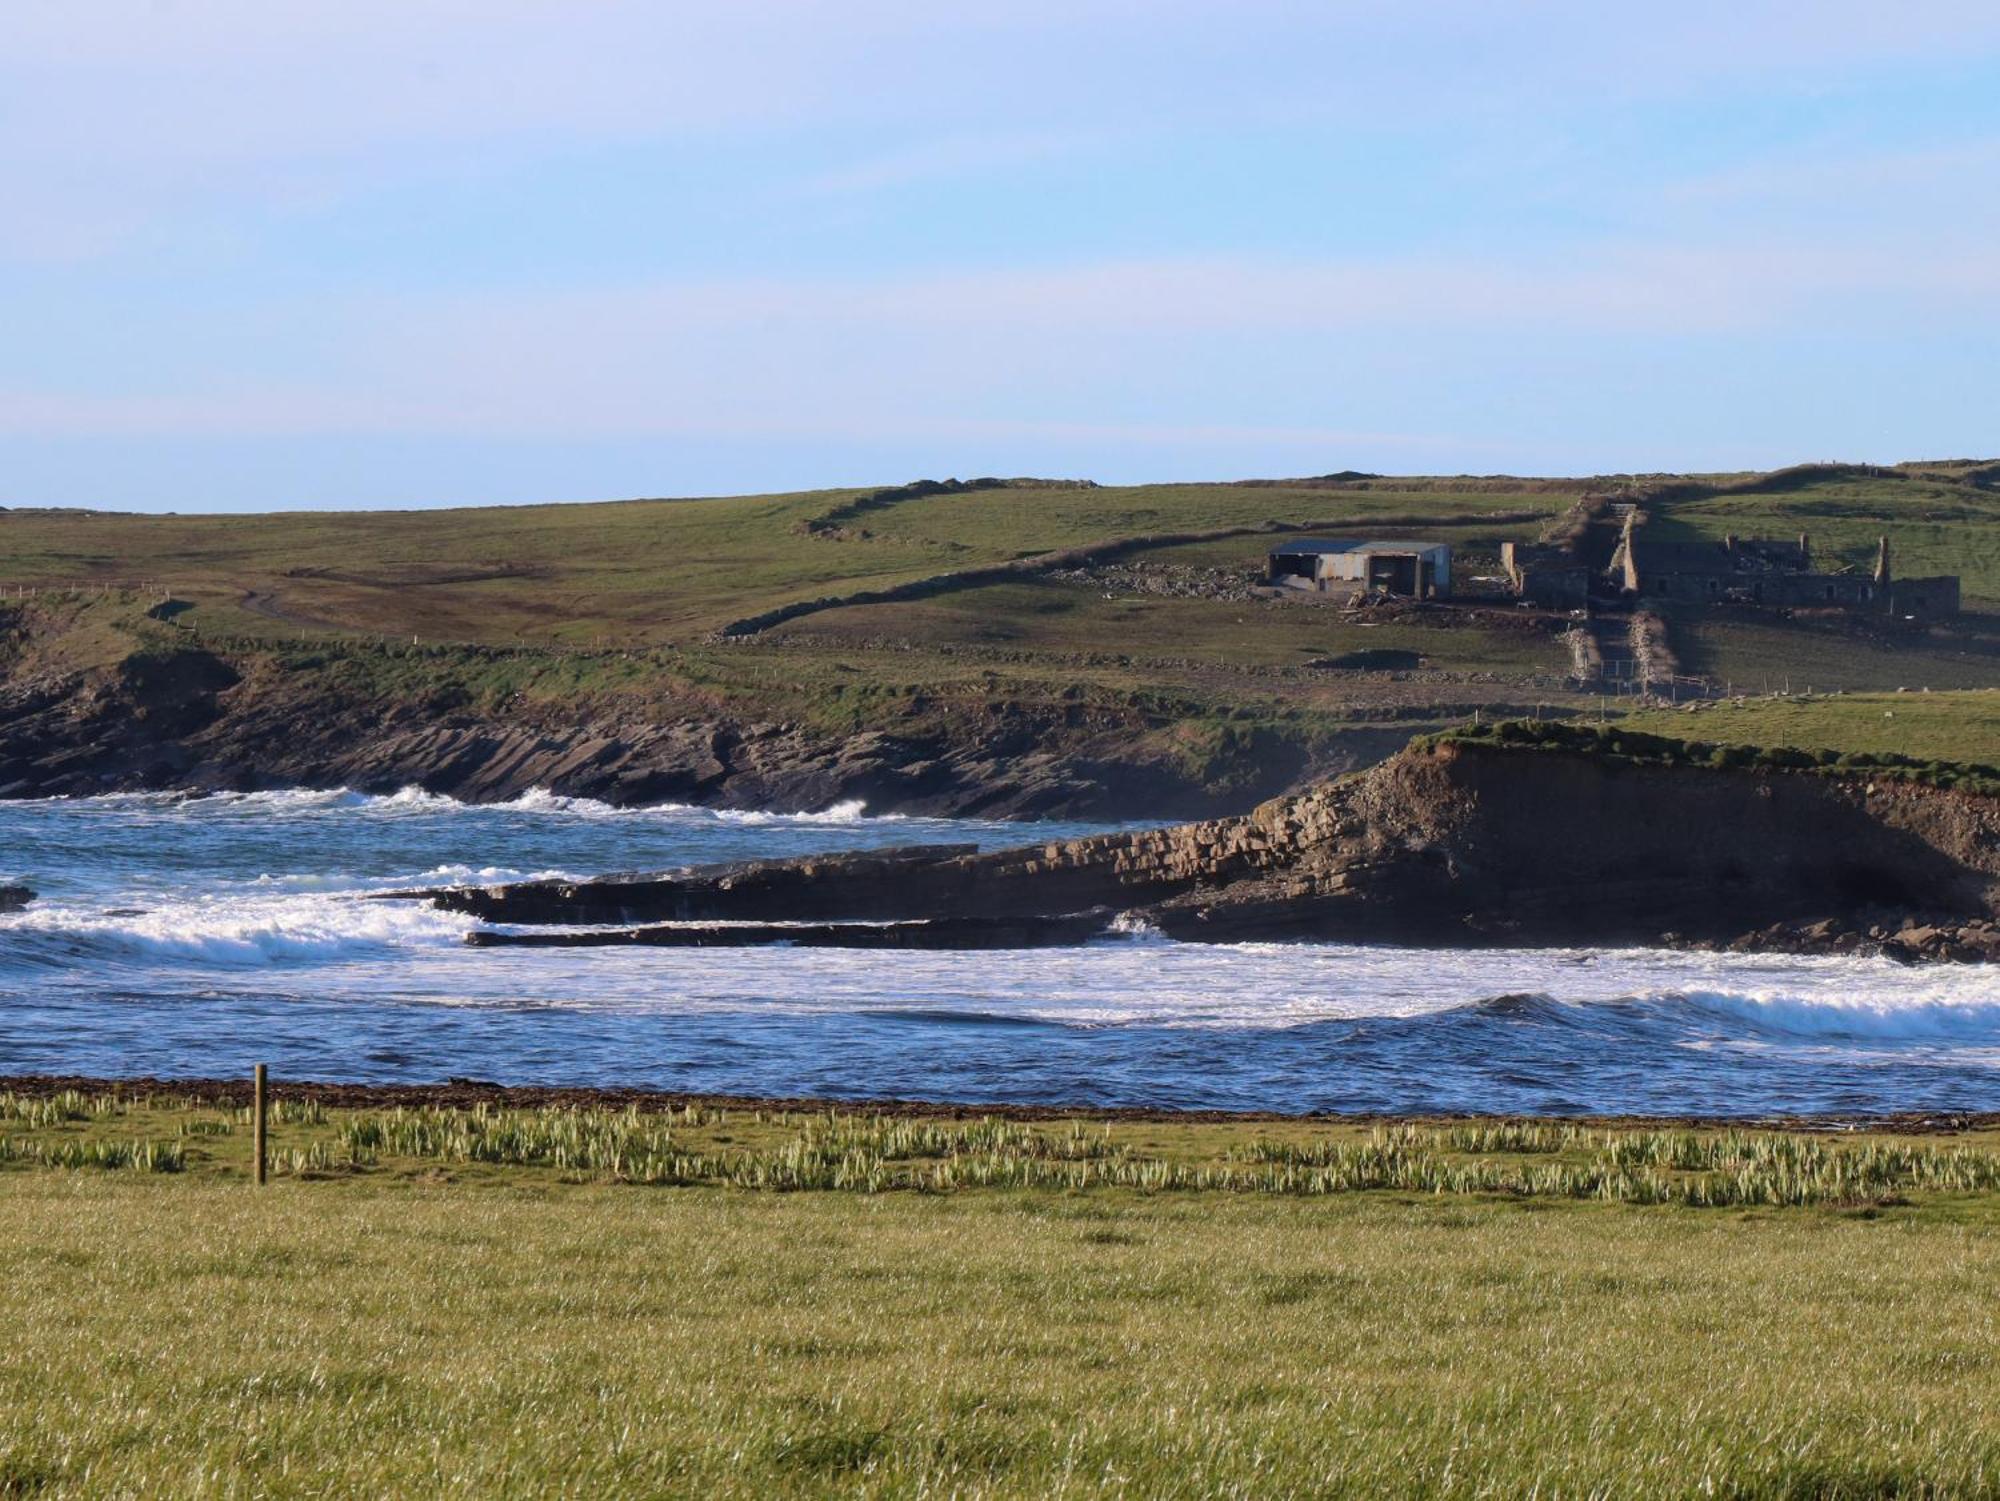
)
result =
(1961, 1008)
(416, 799)
(231, 931)
(539, 800)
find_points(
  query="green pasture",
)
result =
(1753, 655)
(1962, 727)
(430, 1302)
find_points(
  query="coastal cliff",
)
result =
(184, 718)
(1454, 841)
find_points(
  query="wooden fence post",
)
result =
(259, 1111)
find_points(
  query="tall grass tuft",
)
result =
(97, 1152)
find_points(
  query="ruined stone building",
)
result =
(1752, 571)
(1779, 575)
(1546, 573)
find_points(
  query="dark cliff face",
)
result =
(1459, 844)
(1496, 845)
(189, 720)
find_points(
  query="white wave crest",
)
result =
(244, 930)
(1958, 1006)
(453, 874)
(854, 811)
(540, 800)
(1133, 926)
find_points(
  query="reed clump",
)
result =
(95, 1152)
(874, 1154)
(41, 1111)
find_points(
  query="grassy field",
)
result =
(1051, 617)
(461, 1315)
(634, 572)
(607, 612)
(1033, 520)
(1771, 656)
(1961, 727)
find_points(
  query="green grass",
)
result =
(1034, 520)
(1673, 744)
(1051, 616)
(1934, 525)
(449, 1324)
(1755, 656)
(1931, 726)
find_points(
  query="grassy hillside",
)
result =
(651, 572)
(437, 1325)
(611, 610)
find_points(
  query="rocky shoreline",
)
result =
(1449, 844)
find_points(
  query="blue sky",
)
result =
(371, 253)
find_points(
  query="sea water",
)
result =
(184, 937)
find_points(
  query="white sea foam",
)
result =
(239, 930)
(540, 800)
(1950, 1012)
(1130, 925)
(1669, 999)
(451, 874)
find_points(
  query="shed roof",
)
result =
(1337, 545)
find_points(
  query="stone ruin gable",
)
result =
(1546, 574)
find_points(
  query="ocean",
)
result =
(183, 937)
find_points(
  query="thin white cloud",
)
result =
(1965, 172)
(947, 157)
(123, 110)
(1102, 348)
(1608, 289)
(302, 413)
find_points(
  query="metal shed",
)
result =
(1418, 570)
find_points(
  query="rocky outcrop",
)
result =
(14, 898)
(935, 933)
(1453, 843)
(1915, 938)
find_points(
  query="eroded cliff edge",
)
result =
(178, 717)
(1454, 841)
